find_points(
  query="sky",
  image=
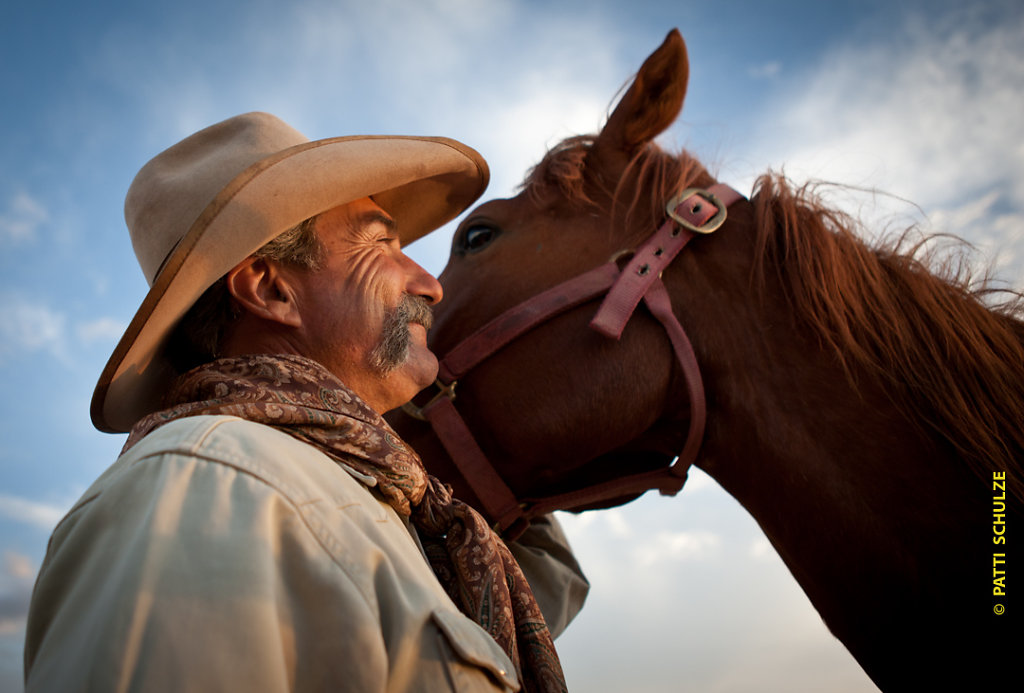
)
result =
(917, 103)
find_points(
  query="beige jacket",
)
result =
(223, 555)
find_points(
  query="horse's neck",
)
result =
(786, 421)
(791, 432)
(871, 514)
(788, 429)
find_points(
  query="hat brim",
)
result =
(422, 182)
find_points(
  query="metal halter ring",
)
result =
(443, 391)
(708, 226)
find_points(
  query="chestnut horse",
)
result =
(866, 411)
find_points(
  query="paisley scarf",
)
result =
(302, 398)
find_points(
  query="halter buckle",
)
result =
(710, 224)
(444, 390)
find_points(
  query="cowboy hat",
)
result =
(202, 206)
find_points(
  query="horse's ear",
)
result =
(649, 106)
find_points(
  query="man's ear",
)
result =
(260, 288)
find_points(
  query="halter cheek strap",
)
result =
(693, 212)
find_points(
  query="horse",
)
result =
(862, 405)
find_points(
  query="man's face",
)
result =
(364, 313)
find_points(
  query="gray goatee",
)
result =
(393, 348)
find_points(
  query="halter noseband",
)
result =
(693, 212)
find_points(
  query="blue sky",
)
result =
(922, 100)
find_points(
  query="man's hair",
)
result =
(198, 338)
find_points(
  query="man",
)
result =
(264, 529)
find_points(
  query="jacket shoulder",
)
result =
(291, 466)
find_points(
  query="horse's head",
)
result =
(540, 406)
(850, 392)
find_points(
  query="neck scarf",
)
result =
(302, 398)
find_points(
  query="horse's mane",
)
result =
(952, 363)
(921, 324)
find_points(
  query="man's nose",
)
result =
(422, 283)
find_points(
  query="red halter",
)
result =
(690, 213)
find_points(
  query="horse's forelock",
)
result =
(561, 171)
(651, 178)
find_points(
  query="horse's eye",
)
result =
(477, 237)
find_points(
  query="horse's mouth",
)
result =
(608, 467)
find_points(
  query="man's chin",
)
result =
(422, 365)
(418, 371)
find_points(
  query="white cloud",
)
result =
(22, 218)
(969, 214)
(482, 83)
(611, 523)
(668, 546)
(997, 236)
(697, 481)
(696, 608)
(13, 624)
(935, 118)
(762, 550)
(101, 329)
(617, 524)
(15, 592)
(18, 566)
(30, 326)
(931, 120)
(41, 515)
(1001, 238)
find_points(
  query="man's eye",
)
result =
(478, 237)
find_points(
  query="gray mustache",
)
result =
(415, 309)
(393, 348)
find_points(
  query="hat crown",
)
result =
(172, 190)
